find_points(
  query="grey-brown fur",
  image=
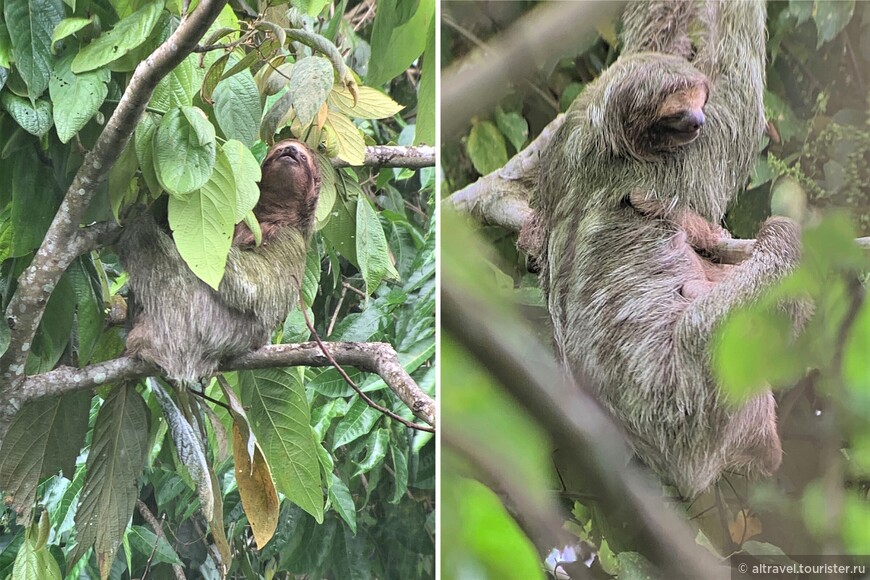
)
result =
(187, 328)
(615, 277)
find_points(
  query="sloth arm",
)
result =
(776, 253)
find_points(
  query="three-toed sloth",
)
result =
(630, 189)
(187, 328)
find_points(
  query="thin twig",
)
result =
(352, 384)
(337, 310)
(158, 531)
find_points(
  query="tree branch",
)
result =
(57, 251)
(373, 357)
(573, 419)
(394, 156)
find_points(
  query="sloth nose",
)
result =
(694, 119)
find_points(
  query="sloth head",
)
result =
(650, 105)
(289, 187)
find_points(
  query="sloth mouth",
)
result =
(292, 153)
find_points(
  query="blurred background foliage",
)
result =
(815, 167)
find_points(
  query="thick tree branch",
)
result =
(373, 357)
(395, 156)
(574, 420)
(479, 80)
(501, 198)
(57, 251)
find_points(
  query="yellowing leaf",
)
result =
(259, 498)
(371, 103)
(745, 525)
(348, 138)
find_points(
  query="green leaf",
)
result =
(184, 150)
(426, 97)
(178, 88)
(397, 42)
(45, 437)
(67, 27)
(513, 126)
(35, 118)
(121, 39)
(34, 202)
(342, 501)
(89, 306)
(377, 446)
(147, 543)
(237, 162)
(144, 140)
(34, 561)
(280, 418)
(831, 18)
(400, 473)
(310, 7)
(371, 247)
(311, 279)
(370, 104)
(341, 229)
(357, 422)
(477, 528)
(114, 465)
(328, 192)
(486, 147)
(761, 341)
(76, 98)
(32, 24)
(237, 107)
(856, 363)
(202, 224)
(331, 384)
(310, 84)
(54, 330)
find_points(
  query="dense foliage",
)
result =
(356, 489)
(813, 167)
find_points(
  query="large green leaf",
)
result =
(34, 201)
(486, 147)
(45, 437)
(202, 223)
(310, 83)
(89, 306)
(184, 150)
(144, 140)
(396, 44)
(242, 166)
(54, 330)
(114, 465)
(237, 107)
(342, 501)
(35, 118)
(426, 101)
(372, 251)
(75, 98)
(121, 39)
(341, 229)
(33, 22)
(178, 88)
(280, 418)
(357, 422)
(327, 191)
